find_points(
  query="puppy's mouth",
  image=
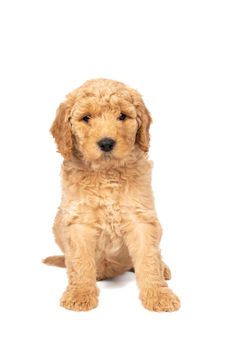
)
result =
(107, 156)
(112, 155)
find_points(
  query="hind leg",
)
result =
(166, 271)
(58, 228)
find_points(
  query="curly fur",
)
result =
(106, 223)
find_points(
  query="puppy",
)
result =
(107, 223)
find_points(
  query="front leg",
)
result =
(142, 240)
(81, 293)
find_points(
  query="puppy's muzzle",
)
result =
(106, 144)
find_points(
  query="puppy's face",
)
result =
(101, 120)
(104, 127)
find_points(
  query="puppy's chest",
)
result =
(109, 214)
(107, 203)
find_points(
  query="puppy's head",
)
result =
(101, 120)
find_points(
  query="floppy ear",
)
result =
(144, 120)
(61, 130)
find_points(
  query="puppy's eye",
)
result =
(86, 118)
(122, 116)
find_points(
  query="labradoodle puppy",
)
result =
(106, 223)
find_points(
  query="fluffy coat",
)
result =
(107, 223)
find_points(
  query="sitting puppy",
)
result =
(106, 223)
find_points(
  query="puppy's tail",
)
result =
(56, 260)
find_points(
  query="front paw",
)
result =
(79, 299)
(159, 299)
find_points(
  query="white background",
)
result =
(179, 55)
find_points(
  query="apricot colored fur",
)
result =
(106, 223)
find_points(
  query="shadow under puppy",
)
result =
(106, 223)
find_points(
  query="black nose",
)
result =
(106, 144)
